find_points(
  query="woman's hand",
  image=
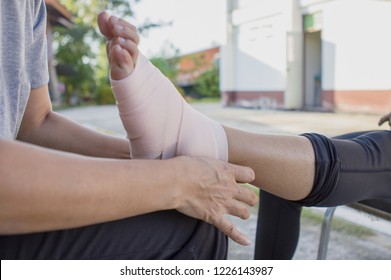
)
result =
(386, 118)
(209, 189)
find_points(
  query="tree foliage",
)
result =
(167, 63)
(82, 49)
(208, 83)
(169, 67)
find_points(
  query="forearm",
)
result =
(44, 190)
(43, 127)
(60, 133)
(283, 165)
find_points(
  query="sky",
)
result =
(196, 25)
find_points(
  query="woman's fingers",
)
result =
(243, 174)
(238, 209)
(386, 118)
(245, 195)
(229, 229)
(214, 193)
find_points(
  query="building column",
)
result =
(227, 69)
(293, 98)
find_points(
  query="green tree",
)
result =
(82, 49)
(167, 66)
(167, 63)
(207, 84)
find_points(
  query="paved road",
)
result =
(287, 122)
(342, 246)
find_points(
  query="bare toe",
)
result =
(121, 63)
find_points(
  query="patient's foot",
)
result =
(122, 53)
(158, 121)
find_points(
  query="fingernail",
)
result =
(246, 241)
(114, 19)
(251, 174)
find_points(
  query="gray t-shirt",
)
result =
(23, 59)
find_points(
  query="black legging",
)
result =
(160, 235)
(349, 168)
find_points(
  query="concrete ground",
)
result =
(376, 245)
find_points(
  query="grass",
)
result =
(205, 100)
(338, 224)
(316, 218)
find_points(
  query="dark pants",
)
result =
(349, 168)
(161, 235)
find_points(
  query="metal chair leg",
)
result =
(325, 233)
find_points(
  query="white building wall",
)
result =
(264, 46)
(260, 56)
(356, 45)
(260, 45)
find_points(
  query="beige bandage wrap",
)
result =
(158, 121)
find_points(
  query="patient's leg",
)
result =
(309, 168)
(160, 123)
